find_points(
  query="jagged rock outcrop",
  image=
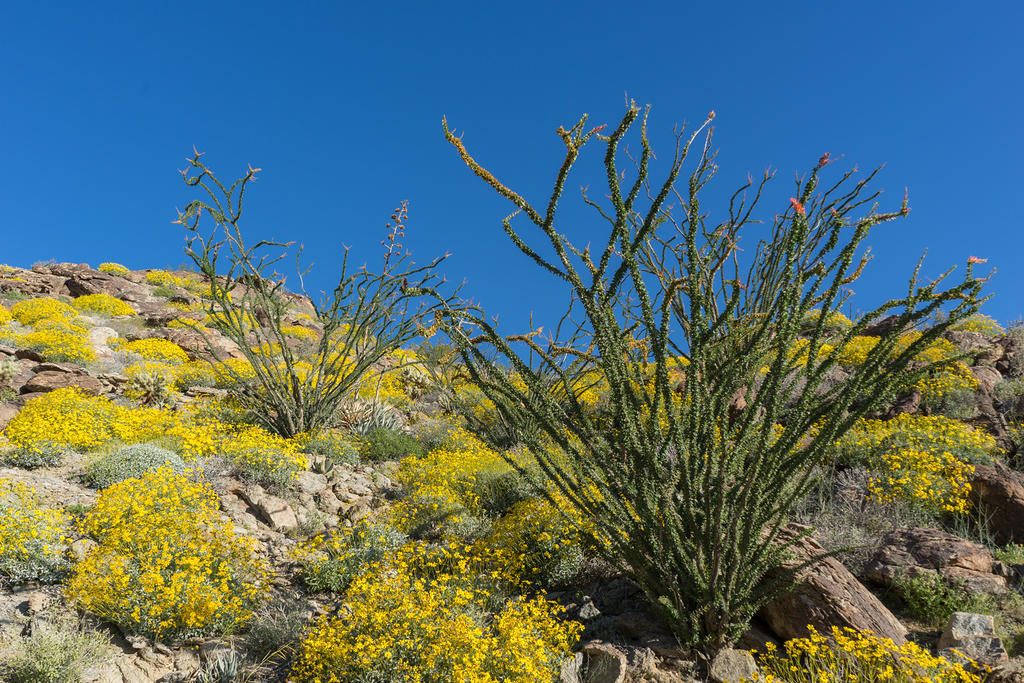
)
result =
(999, 492)
(826, 595)
(909, 553)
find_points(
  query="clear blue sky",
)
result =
(341, 105)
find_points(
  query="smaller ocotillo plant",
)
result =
(716, 415)
(367, 316)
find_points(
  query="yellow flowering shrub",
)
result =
(834, 321)
(186, 324)
(31, 311)
(156, 349)
(194, 373)
(979, 322)
(425, 615)
(164, 278)
(102, 303)
(920, 459)
(330, 562)
(59, 340)
(167, 564)
(72, 419)
(299, 332)
(441, 487)
(851, 655)
(5, 315)
(856, 351)
(264, 456)
(32, 538)
(113, 268)
(543, 545)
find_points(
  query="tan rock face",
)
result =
(906, 553)
(826, 595)
(999, 491)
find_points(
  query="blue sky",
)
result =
(340, 104)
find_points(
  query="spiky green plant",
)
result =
(713, 422)
(368, 315)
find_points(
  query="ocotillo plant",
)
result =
(367, 316)
(708, 441)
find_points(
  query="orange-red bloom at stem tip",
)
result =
(798, 207)
(975, 259)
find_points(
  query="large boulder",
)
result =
(972, 636)
(826, 594)
(998, 492)
(909, 553)
(51, 376)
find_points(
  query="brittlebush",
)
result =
(426, 615)
(167, 564)
(849, 655)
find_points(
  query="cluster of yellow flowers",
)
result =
(113, 268)
(850, 655)
(102, 303)
(924, 460)
(167, 564)
(950, 378)
(542, 541)
(834, 321)
(155, 349)
(5, 315)
(164, 278)
(441, 485)
(32, 538)
(69, 418)
(299, 332)
(56, 332)
(979, 322)
(435, 614)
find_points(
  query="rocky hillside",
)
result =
(151, 531)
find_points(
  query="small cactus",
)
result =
(150, 389)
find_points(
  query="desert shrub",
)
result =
(5, 315)
(932, 598)
(441, 493)
(59, 340)
(690, 482)
(113, 268)
(42, 454)
(835, 322)
(849, 655)
(330, 563)
(102, 303)
(168, 564)
(544, 545)
(979, 322)
(366, 317)
(275, 629)
(32, 538)
(72, 419)
(131, 462)
(55, 653)
(165, 279)
(428, 615)
(389, 444)
(1011, 554)
(151, 383)
(197, 373)
(299, 332)
(156, 349)
(331, 446)
(31, 311)
(262, 456)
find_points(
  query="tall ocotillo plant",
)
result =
(707, 440)
(367, 316)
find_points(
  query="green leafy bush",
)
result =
(131, 462)
(43, 454)
(387, 444)
(55, 653)
(331, 563)
(932, 598)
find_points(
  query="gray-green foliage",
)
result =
(55, 654)
(367, 316)
(689, 482)
(130, 462)
(44, 454)
(387, 444)
(348, 554)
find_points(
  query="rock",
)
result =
(881, 327)
(826, 595)
(55, 491)
(48, 379)
(310, 482)
(732, 666)
(328, 501)
(974, 636)
(987, 377)
(7, 413)
(571, 669)
(604, 663)
(81, 548)
(907, 553)
(275, 511)
(999, 492)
